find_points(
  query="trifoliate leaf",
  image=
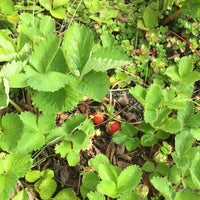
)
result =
(78, 42)
(12, 129)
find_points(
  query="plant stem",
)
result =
(15, 105)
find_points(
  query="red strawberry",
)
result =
(113, 127)
(98, 117)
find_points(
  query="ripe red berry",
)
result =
(113, 127)
(98, 117)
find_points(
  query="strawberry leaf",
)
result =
(11, 130)
(95, 85)
(78, 42)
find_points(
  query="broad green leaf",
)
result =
(7, 48)
(12, 129)
(90, 180)
(95, 85)
(19, 163)
(139, 93)
(59, 12)
(95, 196)
(63, 148)
(72, 158)
(8, 183)
(148, 166)
(32, 176)
(7, 7)
(31, 141)
(148, 140)
(47, 82)
(194, 170)
(22, 195)
(78, 42)
(29, 120)
(132, 143)
(193, 121)
(185, 66)
(47, 188)
(129, 178)
(150, 115)
(18, 80)
(46, 4)
(67, 194)
(153, 97)
(185, 195)
(183, 142)
(129, 129)
(58, 3)
(150, 18)
(107, 39)
(119, 137)
(93, 6)
(44, 54)
(195, 133)
(4, 93)
(47, 25)
(98, 160)
(108, 188)
(129, 196)
(172, 72)
(50, 102)
(78, 138)
(174, 175)
(104, 59)
(108, 172)
(164, 187)
(191, 8)
(171, 125)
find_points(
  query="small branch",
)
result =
(184, 40)
(171, 17)
(19, 109)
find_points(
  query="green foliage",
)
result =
(112, 181)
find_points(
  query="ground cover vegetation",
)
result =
(99, 99)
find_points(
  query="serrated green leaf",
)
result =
(185, 195)
(119, 137)
(67, 194)
(73, 158)
(44, 54)
(174, 175)
(164, 187)
(148, 166)
(78, 42)
(47, 188)
(171, 125)
(150, 18)
(95, 85)
(7, 47)
(7, 7)
(8, 183)
(108, 172)
(33, 175)
(63, 148)
(46, 4)
(104, 59)
(191, 8)
(129, 129)
(78, 138)
(4, 93)
(132, 143)
(59, 13)
(47, 25)
(128, 179)
(31, 141)
(185, 66)
(172, 72)
(90, 180)
(47, 82)
(183, 142)
(193, 121)
(11, 128)
(95, 196)
(139, 93)
(194, 170)
(50, 102)
(108, 188)
(18, 80)
(148, 140)
(150, 115)
(98, 160)
(29, 120)
(58, 3)
(22, 195)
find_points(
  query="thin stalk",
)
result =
(18, 108)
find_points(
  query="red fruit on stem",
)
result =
(113, 127)
(98, 117)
